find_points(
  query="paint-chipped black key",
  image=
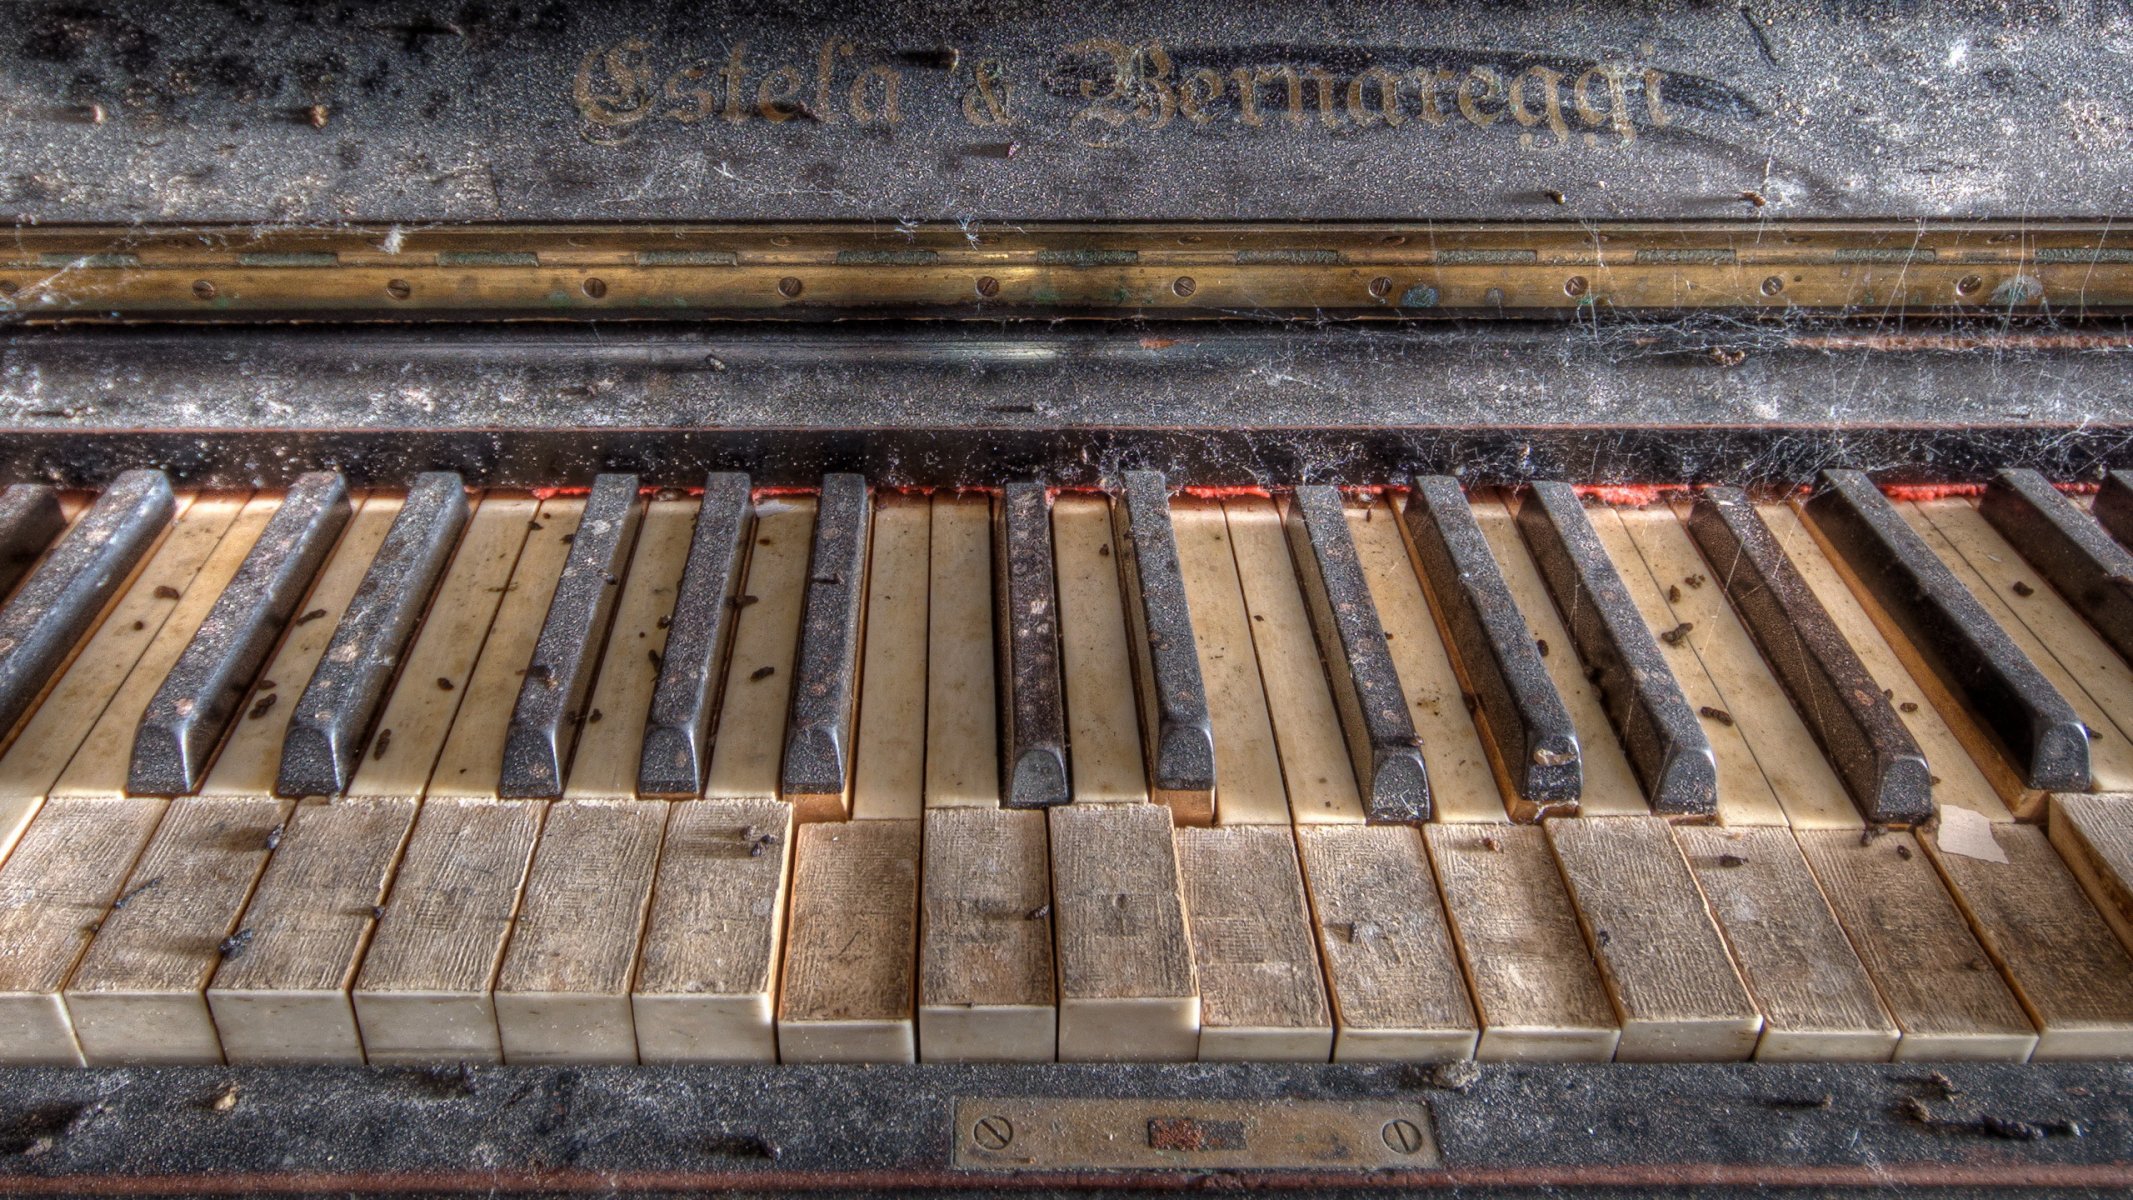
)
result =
(325, 735)
(1032, 705)
(817, 774)
(1366, 687)
(677, 733)
(60, 602)
(2069, 549)
(1525, 716)
(1962, 644)
(544, 723)
(2113, 507)
(1659, 731)
(1857, 727)
(29, 520)
(1176, 729)
(188, 714)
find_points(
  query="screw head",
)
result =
(1402, 1136)
(1380, 287)
(203, 290)
(1185, 286)
(988, 287)
(1968, 284)
(1773, 285)
(1574, 286)
(993, 1133)
(399, 289)
(789, 287)
(594, 288)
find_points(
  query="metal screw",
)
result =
(1380, 286)
(789, 287)
(1184, 286)
(399, 289)
(595, 288)
(1773, 285)
(1402, 1136)
(994, 1133)
(1968, 284)
(1574, 286)
(203, 290)
(988, 287)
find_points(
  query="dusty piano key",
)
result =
(889, 781)
(2065, 964)
(1855, 724)
(962, 718)
(552, 699)
(1127, 987)
(2113, 507)
(69, 589)
(2094, 836)
(1251, 681)
(1103, 719)
(334, 713)
(1177, 731)
(1660, 732)
(30, 517)
(1664, 962)
(1366, 686)
(196, 701)
(1951, 632)
(1033, 703)
(2089, 568)
(1262, 996)
(699, 637)
(986, 988)
(817, 774)
(851, 950)
(1535, 738)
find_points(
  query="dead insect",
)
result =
(385, 738)
(1719, 715)
(743, 601)
(1675, 636)
(2019, 588)
(658, 660)
(311, 616)
(1694, 581)
(594, 719)
(265, 704)
(1903, 852)
(274, 837)
(234, 946)
(761, 673)
(166, 592)
(1673, 594)
(1540, 644)
(443, 684)
(1732, 860)
(1907, 706)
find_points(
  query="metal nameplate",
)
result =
(1136, 1133)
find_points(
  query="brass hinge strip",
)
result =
(806, 271)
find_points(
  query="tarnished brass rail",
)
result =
(816, 271)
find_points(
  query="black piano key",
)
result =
(1177, 732)
(325, 735)
(29, 520)
(1857, 727)
(1659, 731)
(559, 676)
(1382, 741)
(1033, 702)
(60, 602)
(2113, 507)
(2068, 548)
(1962, 644)
(188, 714)
(1526, 717)
(677, 733)
(817, 771)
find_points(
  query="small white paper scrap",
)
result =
(1967, 832)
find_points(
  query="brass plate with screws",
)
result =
(1038, 1133)
(822, 271)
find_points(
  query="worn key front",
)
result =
(1659, 730)
(196, 702)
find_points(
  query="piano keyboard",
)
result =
(433, 775)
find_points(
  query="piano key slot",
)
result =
(677, 736)
(196, 702)
(1382, 743)
(59, 603)
(1952, 634)
(1658, 729)
(333, 715)
(559, 675)
(1856, 726)
(1524, 714)
(1033, 697)
(817, 774)
(1177, 730)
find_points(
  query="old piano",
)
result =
(980, 597)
